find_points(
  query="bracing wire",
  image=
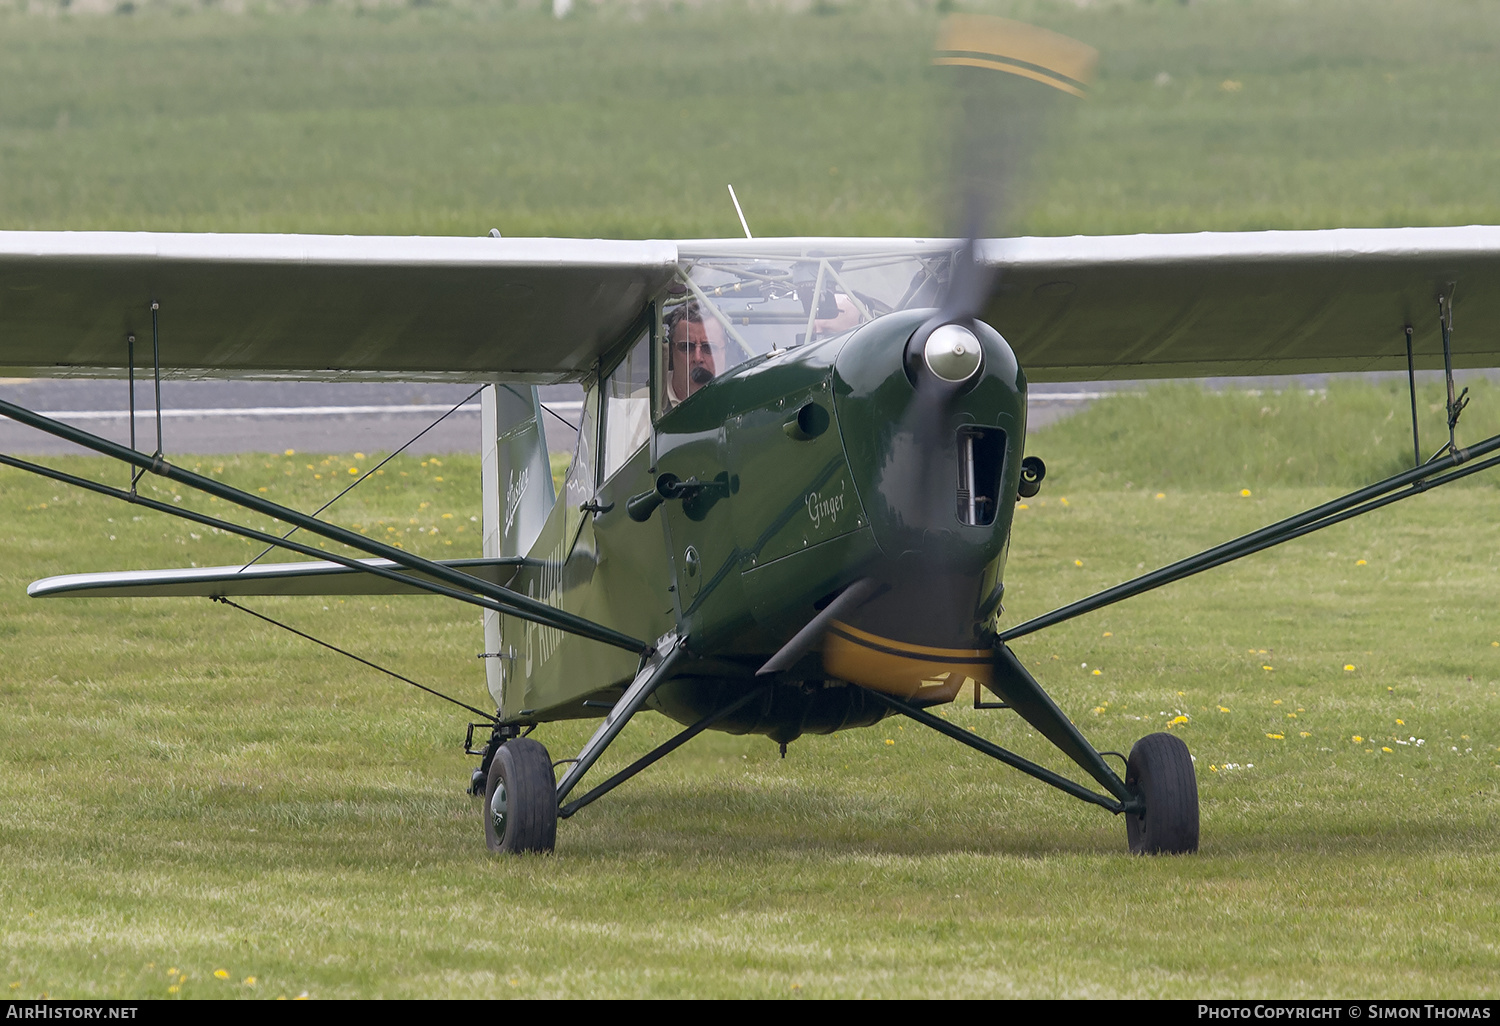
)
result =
(489, 717)
(359, 480)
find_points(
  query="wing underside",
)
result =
(1243, 303)
(321, 306)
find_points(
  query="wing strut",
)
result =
(1433, 474)
(459, 584)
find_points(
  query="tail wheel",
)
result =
(520, 799)
(1160, 771)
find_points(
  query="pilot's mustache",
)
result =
(701, 375)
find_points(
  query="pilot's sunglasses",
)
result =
(684, 346)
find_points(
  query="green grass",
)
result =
(1346, 435)
(184, 788)
(629, 119)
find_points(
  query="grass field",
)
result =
(193, 805)
(185, 789)
(629, 120)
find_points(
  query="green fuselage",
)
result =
(815, 474)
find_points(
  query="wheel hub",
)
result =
(498, 809)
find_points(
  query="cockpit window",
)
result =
(726, 309)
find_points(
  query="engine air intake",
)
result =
(981, 455)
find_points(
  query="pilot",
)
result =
(695, 351)
(846, 318)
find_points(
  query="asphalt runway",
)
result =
(222, 417)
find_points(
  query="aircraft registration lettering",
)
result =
(542, 642)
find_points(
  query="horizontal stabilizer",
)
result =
(310, 578)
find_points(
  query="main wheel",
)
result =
(1160, 771)
(520, 799)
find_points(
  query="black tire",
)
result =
(521, 774)
(1160, 771)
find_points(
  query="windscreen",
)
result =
(725, 310)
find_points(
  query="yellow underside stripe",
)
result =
(906, 648)
(900, 668)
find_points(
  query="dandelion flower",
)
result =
(1098, 672)
(1177, 721)
(354, 470)
(222, 974)
(1223, 708)
(1098, 709)
(1063, 500)
(249, 981)
(1383, 748)
(1400, 723)
(1078, 562)
(1360, 562)
(1275, 701)
(1349, 667)
(1161, 495)
(889, 741)
(1109, 634)
(1264, 667)
(1303, 733)
(359, 455)
(173, 989)
(1023, 506)
(1244, 493)
(1358, 740)
(1276, 737)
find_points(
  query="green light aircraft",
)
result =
(798, 460)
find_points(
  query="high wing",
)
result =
(1239, 303)
(539, 310)
(321, 306)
